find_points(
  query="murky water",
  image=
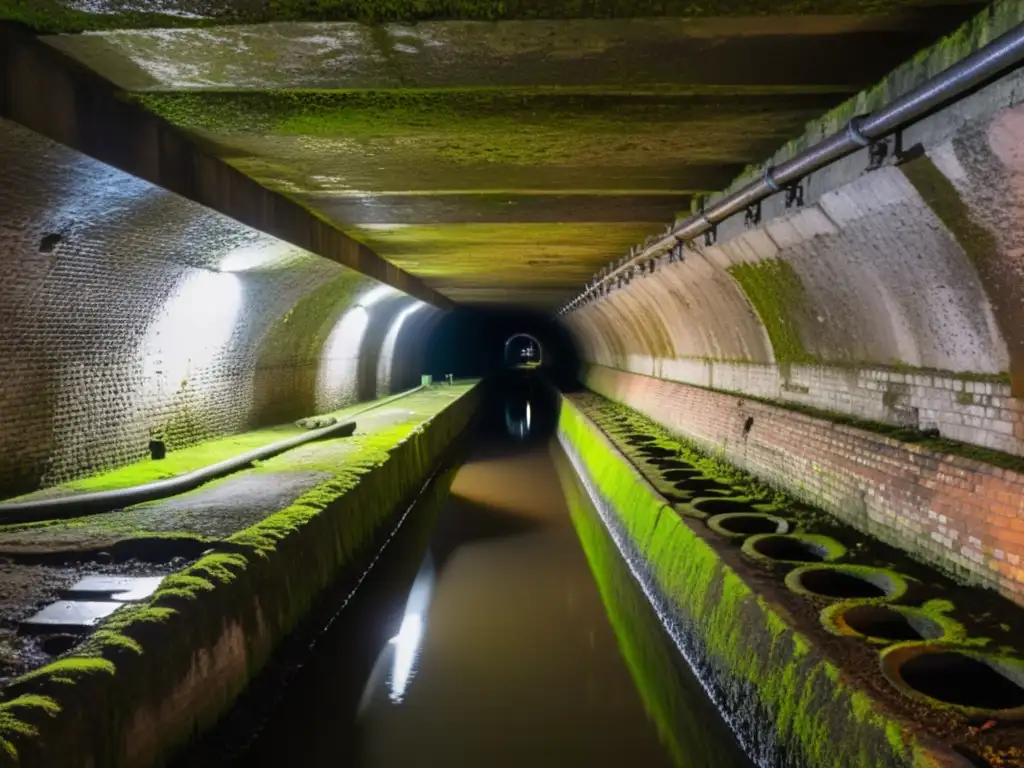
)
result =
(522, 640)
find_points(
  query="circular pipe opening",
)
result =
(638, 439)
(713, 506)
(700, 485)
(55, 645)
(883, 623)
(667, 463)
(680, 474)
(793, 548)
(656, 452)
(744, 523)
(846, 581)
(975, 682)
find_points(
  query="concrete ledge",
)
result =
(955, 513)
(785, 699)
(156, 674)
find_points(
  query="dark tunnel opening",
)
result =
(471, 343)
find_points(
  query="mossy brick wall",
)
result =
(892, 294)
(787, 703)
(961, 515)
(194, 655)
(116, 322)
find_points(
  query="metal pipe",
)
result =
(1004, 52)
(103, 501)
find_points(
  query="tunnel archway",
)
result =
(523, 350)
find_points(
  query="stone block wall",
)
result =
(960, 515)
(128, 312)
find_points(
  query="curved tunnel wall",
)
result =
(893, 295)
(128, 312)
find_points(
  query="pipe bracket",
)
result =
(853, 132)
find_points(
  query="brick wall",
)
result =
(978, 412)
(127, 311)
(960, 515)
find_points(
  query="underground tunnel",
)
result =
(553, 383)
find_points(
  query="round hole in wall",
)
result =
(735, 524)
(793, 548)
(700, 485)
(883, 622)
(55, 645)
(667, 463)
(677, 474)
(981, 684)
(715, 506)
(638, 439)
(846, 581)
(656, 452)
(49, 241)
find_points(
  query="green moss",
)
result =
(13, 722)
(486, 126)
(249, 597)
(775, 290)
(62, 16)
(649, 657)
(67, 671)
(791, 681)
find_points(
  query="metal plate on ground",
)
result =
(69, 616)
(120, 588)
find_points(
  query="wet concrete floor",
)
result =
(500, 651)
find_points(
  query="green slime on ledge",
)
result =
(652, 661)
(749, 649)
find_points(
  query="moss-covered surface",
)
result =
(330, 466)
(818, 695)
(926, 440)
(650, 656)
(775, 290)
(497, 126)
(522, 188)
(184, 460)
(747, 643)
(66, 16)
(210, 627)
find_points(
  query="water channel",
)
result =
(499, 628)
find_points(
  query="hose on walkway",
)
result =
(82, 504)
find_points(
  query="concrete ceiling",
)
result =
(500, 161)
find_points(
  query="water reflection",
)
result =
(514, 645)
(406, 643)
(518, 418)
(688, 723)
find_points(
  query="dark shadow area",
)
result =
(836, 583)
(472, 343)
(890, 624)
(959, 679)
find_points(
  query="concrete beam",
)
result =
(56, 97)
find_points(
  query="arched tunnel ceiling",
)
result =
(501, 161)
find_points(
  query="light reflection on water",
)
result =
(507, 650)
(406, 644)
(518, 426)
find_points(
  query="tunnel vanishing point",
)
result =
(263, 265)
